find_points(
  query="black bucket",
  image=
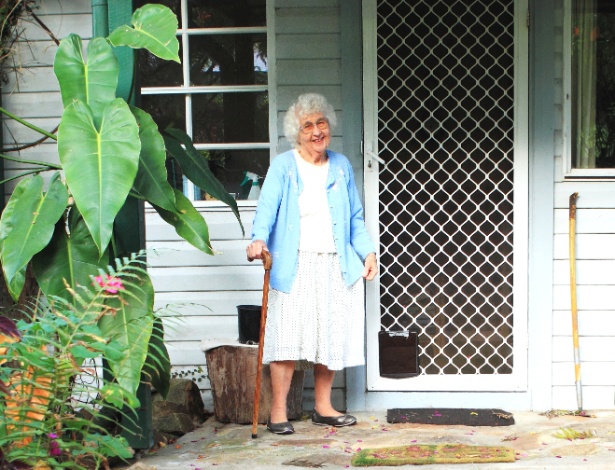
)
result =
(249, 322)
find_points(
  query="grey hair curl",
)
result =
(308, 103)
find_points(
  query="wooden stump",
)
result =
(232, 374)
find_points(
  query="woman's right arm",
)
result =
(266, 210)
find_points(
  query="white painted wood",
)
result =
(316, 4)
(592, 349)
(210, 278)
(320, 72)
(60, 25)
(370, 188)
(289, 93)
(591, 195)
(222, 224)
(588, 272)
(36, 54)
(194, 328)
(378, 401)
(302, 45)
(594, 246)
(594, 398)
(59, 7)
(314, 21)
(588, 298)
(46, 152)
(181, 253)
(205, 304)
(592, 373)
(587, 221)
(30, 80)
(36, 105)
(591, 323)
(15, 132)
(185, 353)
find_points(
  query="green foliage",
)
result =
(108, 150)
(572, 434)
(42, 420)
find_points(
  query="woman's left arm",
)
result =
(371, 267)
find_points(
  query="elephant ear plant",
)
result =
(108, 150)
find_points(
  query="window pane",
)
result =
(229, 166)
(224, 59)
(225, 14)
(166, 110)
(159, 72)
(593, 84)
(230, 117)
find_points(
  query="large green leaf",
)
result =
(154, 28)
(6, 221)
(188, 223)
(196, 168)
(151, 181)
(130, 328)
(157, 367)
(100, 164)
(72, 256)
(92, 81)
(33, 218)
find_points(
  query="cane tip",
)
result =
(254, 436)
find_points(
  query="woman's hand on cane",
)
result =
(254, 249)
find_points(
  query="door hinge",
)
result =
(527, 19)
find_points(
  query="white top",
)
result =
(315, 217)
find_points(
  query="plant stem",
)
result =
(27, 124)
(25, 173)
(51, 166)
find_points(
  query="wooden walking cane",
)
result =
(267, 261)
(572, 213)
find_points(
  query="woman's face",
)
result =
(314, 133)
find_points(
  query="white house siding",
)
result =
(595, 272)
(32, 91)
(304, 57)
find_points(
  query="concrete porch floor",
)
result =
(230, 446)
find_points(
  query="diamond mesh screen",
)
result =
(445, 131)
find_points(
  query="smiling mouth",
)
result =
(318, 139)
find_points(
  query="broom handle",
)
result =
(572, 213)
(267, 262)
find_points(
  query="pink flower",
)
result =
(111, 284)
(54, 447)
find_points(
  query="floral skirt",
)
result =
(321, 320)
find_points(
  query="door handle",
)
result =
(373, 156)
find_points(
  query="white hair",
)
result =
(308, 103)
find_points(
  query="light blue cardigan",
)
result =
(277, 219)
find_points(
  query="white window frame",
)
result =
(570, 173)
(188, 91)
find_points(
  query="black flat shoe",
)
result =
(337, 421)
(280, 428)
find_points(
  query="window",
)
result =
(592, 85)
(219, 94)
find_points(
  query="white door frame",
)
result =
(517, 381)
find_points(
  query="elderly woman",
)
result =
(309, 216)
